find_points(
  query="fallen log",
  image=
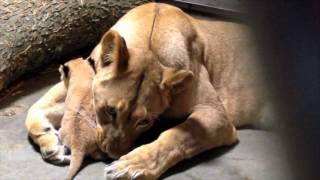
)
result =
(35, 33)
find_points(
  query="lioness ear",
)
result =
(64, 71)
(175, 79)
(114, 50)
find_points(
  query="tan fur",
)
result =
(177, 66)
(43, 119)
(78, 123)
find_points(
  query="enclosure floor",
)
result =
(258, 155)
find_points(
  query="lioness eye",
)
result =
(143, 123)
(111, 111)
(106, 60)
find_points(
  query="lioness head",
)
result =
(131, 89)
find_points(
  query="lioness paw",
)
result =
(122, 170)
(138, 164)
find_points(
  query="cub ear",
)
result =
(91, 63)
(64, 71)
(114, 50)
(175, 79)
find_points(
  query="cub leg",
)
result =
(204, 129)
(43, 119)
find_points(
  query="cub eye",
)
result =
(143, 123)
(111, 112)
(47, 129)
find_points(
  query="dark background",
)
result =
(288, 35)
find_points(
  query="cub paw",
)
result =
(51, 148)
(58, 155)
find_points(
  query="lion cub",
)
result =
(78, 123)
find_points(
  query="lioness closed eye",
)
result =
(157, 60)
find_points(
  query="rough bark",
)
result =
(36, 32)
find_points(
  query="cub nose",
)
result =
(66, 150)
(48, 153)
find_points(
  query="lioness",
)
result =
(78, 124)
(157, 60)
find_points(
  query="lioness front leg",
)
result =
(205, 128)
(42, 120)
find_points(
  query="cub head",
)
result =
(131, 89)
(76, 72)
